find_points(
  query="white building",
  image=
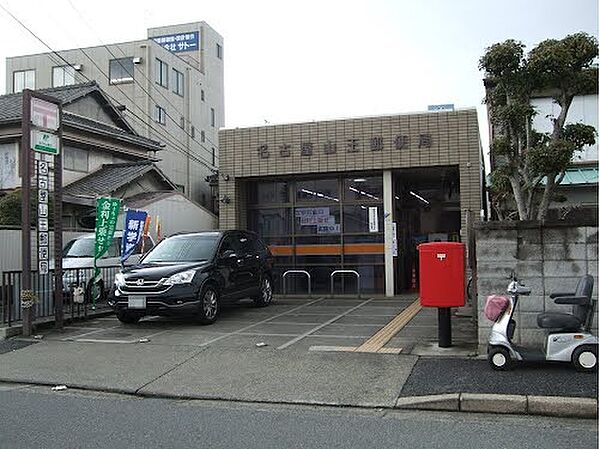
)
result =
(170, 86)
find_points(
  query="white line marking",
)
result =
(76, 337)
(326, 323)
(260, 322)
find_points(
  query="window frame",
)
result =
(122, 80)
(160, 115)
(63, 71)
(213, 117)
(178, 87)
(161, 73)
(25, 86)
(219, 51)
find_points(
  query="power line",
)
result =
(147, 79)
(181, 150)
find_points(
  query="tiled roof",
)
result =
(11, 108)
(110, 178)
(11, 105)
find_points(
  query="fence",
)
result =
(43, 286)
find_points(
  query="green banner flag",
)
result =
(107, 212)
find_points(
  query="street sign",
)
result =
(44, 267)
(44, 114)
(44, 142)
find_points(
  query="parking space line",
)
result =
(385, 334)
(206, 343)
(321, 326)
(85, 334)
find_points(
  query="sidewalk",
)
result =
(360, 352)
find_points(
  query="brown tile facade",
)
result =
(350, 145)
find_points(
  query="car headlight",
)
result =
(120, 280)
(185, 277)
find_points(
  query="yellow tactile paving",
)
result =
(385, 334)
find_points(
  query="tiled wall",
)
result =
(442, 138)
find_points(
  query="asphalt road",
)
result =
(37, 417)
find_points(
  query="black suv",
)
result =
(195, 274)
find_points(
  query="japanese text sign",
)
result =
(179, 42)
(107, 211)
(132, 231)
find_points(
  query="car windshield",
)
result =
(188, 248)
(79, 248)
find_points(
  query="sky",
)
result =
(294, 61)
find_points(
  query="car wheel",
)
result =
(265, 294)
(499, 358)
(209, 305)
(126, 317)
(585, 358)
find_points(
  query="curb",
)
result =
(556, 406)
(559, 406)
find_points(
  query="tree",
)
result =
(10, 209)
(530, 165)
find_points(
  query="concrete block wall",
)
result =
(547, 258)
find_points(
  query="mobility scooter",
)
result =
(568, 337)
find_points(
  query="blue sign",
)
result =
(440, 107)
(179, 42)
(132, 232)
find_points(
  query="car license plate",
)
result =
(137, 302)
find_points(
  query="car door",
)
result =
(251, 261)
(229, 264)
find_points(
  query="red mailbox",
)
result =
(442, 274)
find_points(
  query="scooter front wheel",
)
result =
(499, 358)
(585, 358)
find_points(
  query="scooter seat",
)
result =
(556, 320)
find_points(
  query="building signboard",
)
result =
(307, 149)
(44, 142)
(180, 42)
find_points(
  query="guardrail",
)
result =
(297, 272)
(346, 272)
(43, 286)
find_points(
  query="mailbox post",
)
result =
(442, 282)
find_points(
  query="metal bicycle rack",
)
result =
(346, 272)
(297, 272)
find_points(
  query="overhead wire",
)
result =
(107, 48)
(175, 144)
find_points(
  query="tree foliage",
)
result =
(528, 164)
(10, 208)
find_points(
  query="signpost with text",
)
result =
(40, 154)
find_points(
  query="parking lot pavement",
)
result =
(305, 324)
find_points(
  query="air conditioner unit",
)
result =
(77, 67)
(137, 60)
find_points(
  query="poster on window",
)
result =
(373, 220)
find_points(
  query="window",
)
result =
(160, 115)
(202, 137)
(63, 76)
(121, 70)
(214, 157)
(202, 94)
(182, 122)
(212, 116)
(162, 73)
(317, 191)
(193, 132)
(178, 82)
(76, 160)
(24, 79)
(219, 51)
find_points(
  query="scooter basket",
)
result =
(495, 305)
